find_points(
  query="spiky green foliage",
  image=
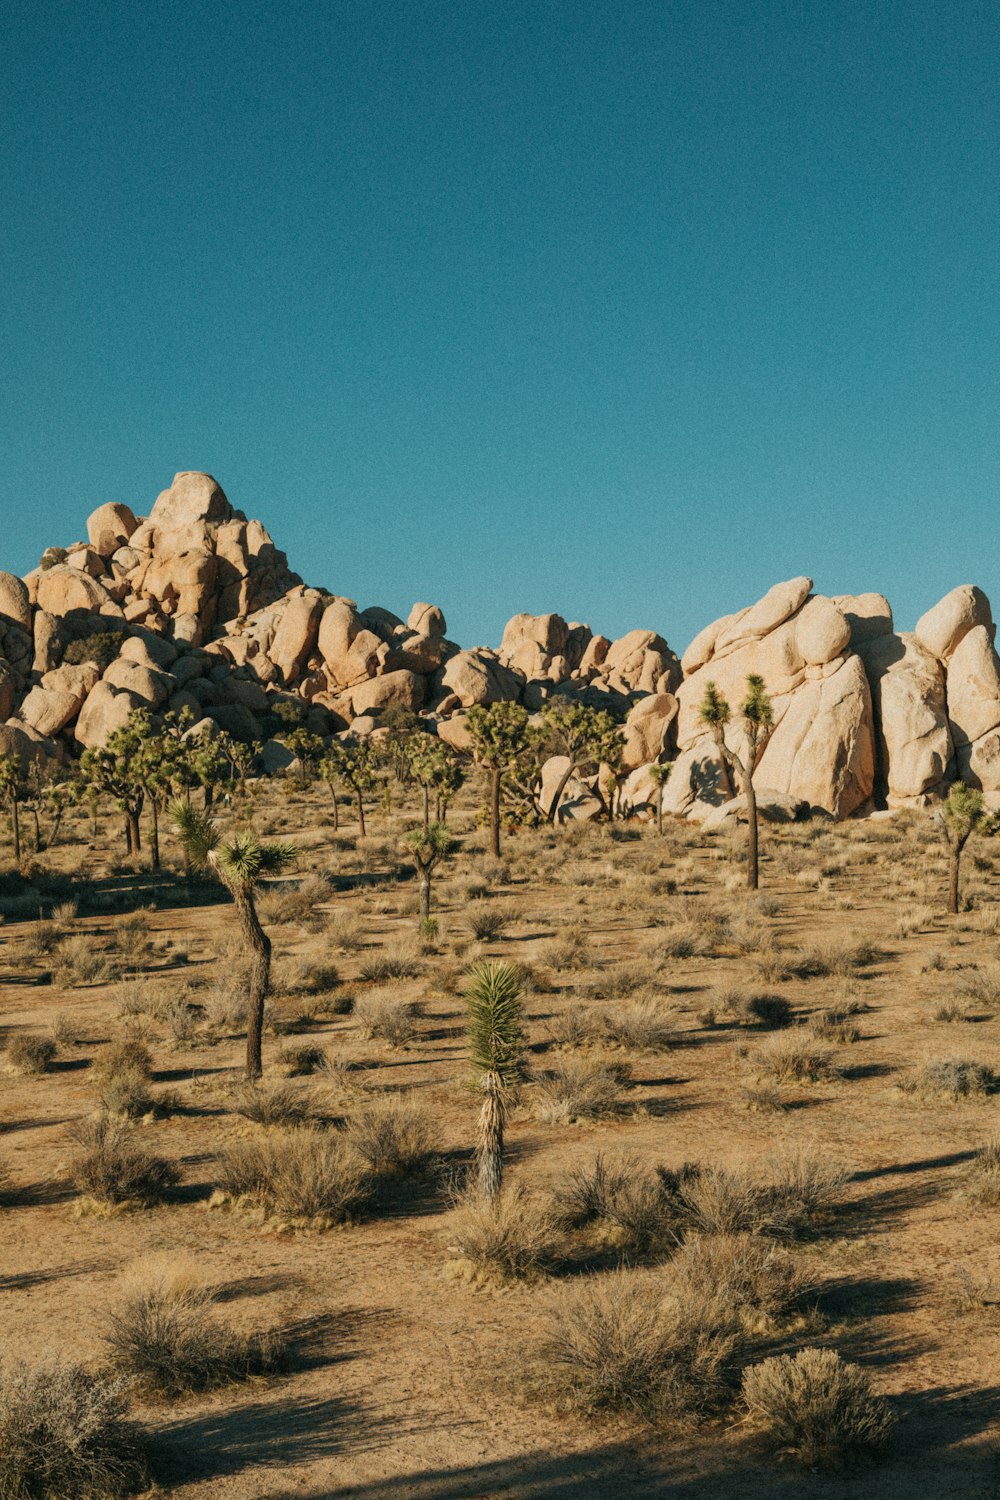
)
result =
(963, 814)
(197, 832)
(496, 1036)
(429, 845)
(756, 706)
(499, 734)
(588, 737)
(715, 708)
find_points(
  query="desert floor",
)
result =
(403, 1371)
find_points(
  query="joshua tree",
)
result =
(356, 762)
(11, 790)
(496, 1045)
(241, 862)
(588, 737)
(959, 818)
(433, 766)
(119, 770)
(499, 738)
(306, 747)
(429, 846)
(758, 720)
(329, 771)
(659, 774)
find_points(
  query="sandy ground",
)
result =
(393, 1389)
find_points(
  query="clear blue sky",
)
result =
(624, 310)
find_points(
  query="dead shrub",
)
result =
(394, 1137)
(569, 950)
(795, 1056)
(507, 1238)
(841, 956)
(399, 962)
(952, 1078)
(756, 1008)
(621, 1344)
(815, 1407)
(309, 1176)
(580, 1088)
(272, 1104)
(642, 1209)
(640, 1024)
(65, 1435)
(788, 1199)
(162, 1338)
(79, 962)
(744, 1278)
(386, 1017)
(112, 1167)
(298, 1062)
(31, 1054)
(983, 1180)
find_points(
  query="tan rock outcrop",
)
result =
(647, 730)
(15, 605)
(427, 619)
(479, 677)
(193, 497)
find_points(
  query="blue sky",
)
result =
(624, 311)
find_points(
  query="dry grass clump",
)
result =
(293, 901)
(345, 931)
(581, 1088)
(951, 1078)
(841, 956)
(40, 939)
(112, 1167)
(272, 1103)
(121, 1078)
(815, 1407)
(130, 937)
(837, 1024)
(402, 961)
(488, 920)
(309, 1176)
(301, 1060)
(983, 1181)
(793, 1056)
(162, 1338)
(394, 1137)
(387, 1017)
(787, 1199)
(620, 1344)
(746, 1279)
(65, 1435)
(511, 1237)
(570, 950)
(301, 976)
(751, 1007)
(640, 1024)
(80, 962)
(641, 1210)
(980, 987)
(31, 1054)
(914, 919)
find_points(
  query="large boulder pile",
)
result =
(194, 607)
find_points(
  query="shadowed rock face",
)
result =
(208, 616)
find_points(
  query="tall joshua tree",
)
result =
(758, 721)
(11, 788)
(659, 774)
(500, 738)
(240, 862)
(959, 818)
(587, 737)
(496, 1045)
(429, 846)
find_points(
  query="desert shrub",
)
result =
(130, 935)
(508, 1237)
(578, 1027)
(619, 980)
(386, 1017)
(580, 1088)
(101, 648)
(980, 987)
(293, 901)
(621, 1345)
(399, 962)
(65, 1435)
(30, 1054)
(787, 1199)
(78, 962)
(297, 1062)
(951, 1011)
(763, 1099)
(741, 1277)
(568, 951)
(640, 1024)
(41, 938)
(180, 1018)
(641, 1209)
(164, 1341)
(983, 1180)
(815, 1407)
(842, 956)
(393, 1136)
(272, 1104)
(913, 919)
(125, 1092)
(313, 1176)
(302, 977)
(794, 1055)
(345, 931)
(112, 1167)
(756, 1008)
(952, 1078)
(129, 1054)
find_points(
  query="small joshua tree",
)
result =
(429, 846)
(587, 737)
(659, 774)
(496, 1045)
(500, 738)
(959, 818)
(11, 789)
(758, 721)
(240, 862)
(356, 763)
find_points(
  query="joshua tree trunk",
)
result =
(361, 816)
(336, 809)
(424, 877)
(659, 809)
(259, 945)
(207, 798)
(489, 1146)
(154, 841)
(557, 797)
(134, 836)
(427, 805)
(495, 811)
(15, 819)
(954, 860)
(752, 858)
(38, 831)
